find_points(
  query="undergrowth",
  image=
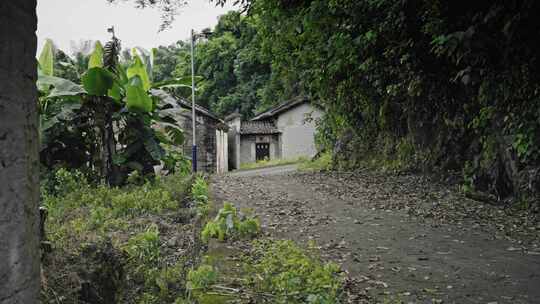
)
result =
(133, 220)
(292, 274)
(271, 163)
(279, 272)
(200, 194)
(202, 278)
(321, 163)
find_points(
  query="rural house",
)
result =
(211, 133)
(286, 131)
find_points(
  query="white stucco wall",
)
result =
(222, 150)
(298, 135)
(247, 149)
(234, 143)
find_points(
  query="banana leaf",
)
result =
(152, 146)
(137, 68)
(61, 86)
(169, 133)
(46, 58)
(147, 59)
(182, 81)
(137, 100)
(96, 59)
(98, 81)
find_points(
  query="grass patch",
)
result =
(272, 163)
(292, 274)
(110, 245)
(270, 271)
(321, 163)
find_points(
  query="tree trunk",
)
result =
(107, 143)
(19, 163)
(109, 150)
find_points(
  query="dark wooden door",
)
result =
(262, 151)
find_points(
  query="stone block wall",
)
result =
(206, 140)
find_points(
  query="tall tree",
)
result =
(19, 176)
(231, 62)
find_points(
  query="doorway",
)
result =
(262, 151)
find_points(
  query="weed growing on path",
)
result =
(228, 223)
(292, 274)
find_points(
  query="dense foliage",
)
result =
(237, 74)
(111, 123)
(448, 85)
(106, 244)
(431, 85)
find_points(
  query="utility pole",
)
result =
(194, 146)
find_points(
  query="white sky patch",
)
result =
(64, 21)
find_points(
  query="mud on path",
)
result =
(403, 237)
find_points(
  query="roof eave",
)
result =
(280, 109)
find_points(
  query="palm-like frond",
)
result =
(169, 133)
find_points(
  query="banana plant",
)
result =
(114, 92)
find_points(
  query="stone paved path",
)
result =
(403, 237)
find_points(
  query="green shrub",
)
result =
(249, 227)
(178, 186)
(148, 298)
(321, 163)
(68, 181)
(145, 199)
(202, 278)
(293, 275)
(200, 195)
(405, 153)
(199, 189)
(164, 283)
(228, 224)
(143, 248)
(176, 163)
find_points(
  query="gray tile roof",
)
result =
(258, 127)
(280, 108)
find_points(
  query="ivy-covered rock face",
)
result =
(458, 81)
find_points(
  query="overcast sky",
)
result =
(64, 21)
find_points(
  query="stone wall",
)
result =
(19, 176)
(206, 140)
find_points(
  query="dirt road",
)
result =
(404, 237)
